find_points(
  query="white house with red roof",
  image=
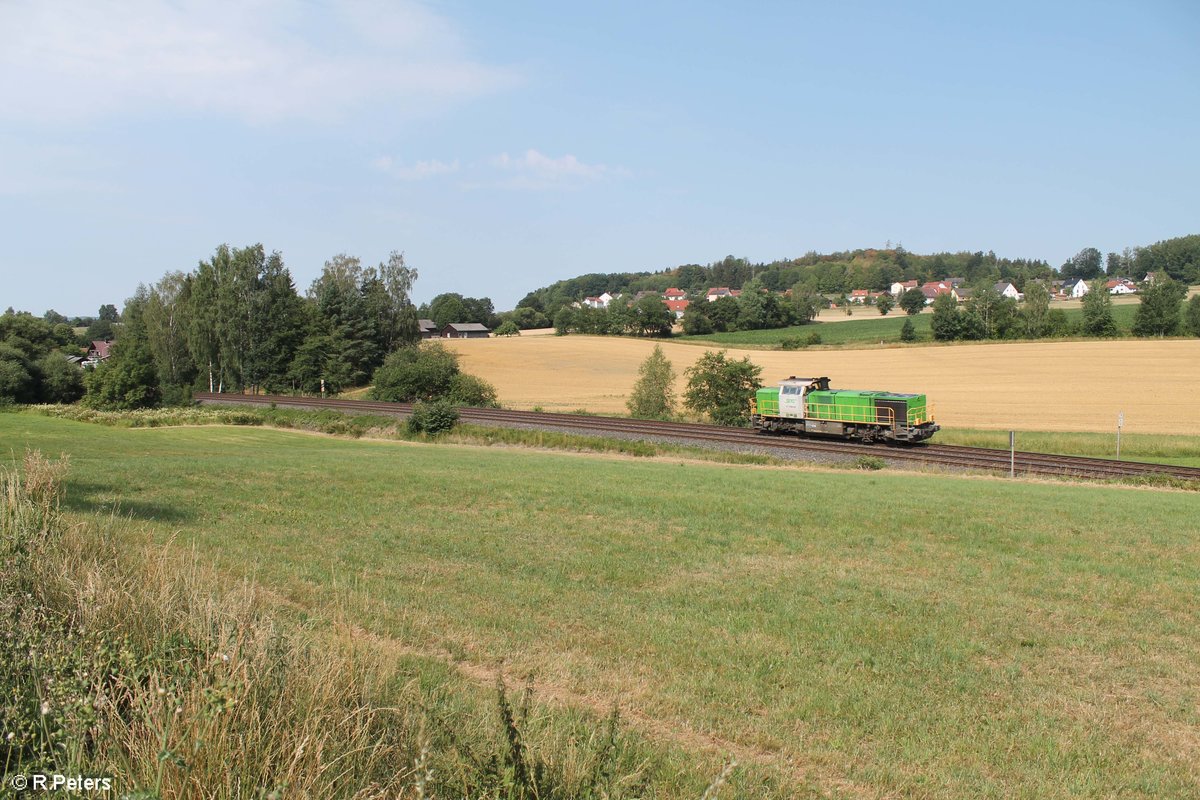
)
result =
(932, 289)
(1121, 286)
(600, 302)
(900, 287)
(674, 294)
(677, 307)
(717, 292)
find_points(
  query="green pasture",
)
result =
(841, 634)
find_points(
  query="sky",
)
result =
(503, 146)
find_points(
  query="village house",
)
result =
(1074, 287)
(600, 302)
(674, 294)
(677, 307)
(1121, 286)
(717, 292)
(932, 289)
(900, 287)
(1006, 289)
(859, 296)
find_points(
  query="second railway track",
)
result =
(954, 456)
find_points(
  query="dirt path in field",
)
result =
(1046, 386)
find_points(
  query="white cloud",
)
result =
(535, 170)
(261, 60)
(415, 172)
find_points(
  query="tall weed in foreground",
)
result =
(122, 660)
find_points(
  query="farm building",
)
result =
(98, 351)
(465, 330)
(429, 328)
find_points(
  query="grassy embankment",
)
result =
(1152, 448)
(921, 635)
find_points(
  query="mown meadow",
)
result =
(855, 635)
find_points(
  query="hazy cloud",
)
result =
(535, 170)
(260, 60)
(415, 172)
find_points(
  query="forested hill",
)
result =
(876, 269)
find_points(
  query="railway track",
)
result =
(954, 456)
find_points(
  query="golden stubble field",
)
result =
(1066, 386)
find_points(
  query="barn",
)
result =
(465, 330)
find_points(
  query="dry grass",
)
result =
(1067, 386)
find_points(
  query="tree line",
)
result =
(989, 315)
(836, 274)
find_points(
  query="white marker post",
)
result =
(1012, 454)
(1120, 424)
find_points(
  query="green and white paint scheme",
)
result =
(809, 406)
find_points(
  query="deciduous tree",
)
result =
(653, 395)
(1159, 310)
(722, 388)
(913, 302)
(1097, 312)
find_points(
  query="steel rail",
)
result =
(944, 455)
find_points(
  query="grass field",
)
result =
(1028, 386)
(916, 636)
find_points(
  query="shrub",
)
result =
(429, 372)
(432, 417)
(869, 463)
(468, 390)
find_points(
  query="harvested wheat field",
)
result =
(1066, 386)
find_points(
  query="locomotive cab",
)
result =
(792, 394)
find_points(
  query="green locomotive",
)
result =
(807, 406)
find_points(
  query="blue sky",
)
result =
(502, 146)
